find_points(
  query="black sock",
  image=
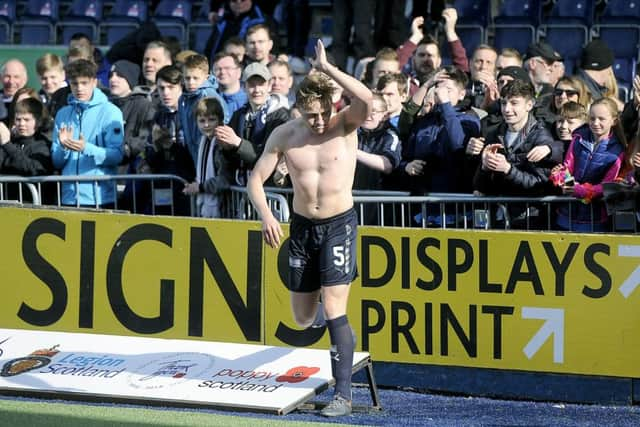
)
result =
(342, 346)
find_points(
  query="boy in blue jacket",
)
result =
(87, 138)
(198, 84)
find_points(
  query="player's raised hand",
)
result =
(320, 62)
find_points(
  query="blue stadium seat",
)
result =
(572, 12)
(125, 17)
(7, 17)
(515, 24)
(569, 66)
(568, 39)
(624, 69)
(623, 39)
(620, 12)
(473, 12)
(473, 17)
(566, 27)
(171, 17)
(200, 29)
(619, 26)
(471, 36)
(83, 17)
(36, 26)
(519, 12)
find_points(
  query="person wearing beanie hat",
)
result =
(137, 109)
(596, 70)
(596, 56)
(123, 77)
(510, 73)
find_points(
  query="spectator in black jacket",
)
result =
(137, 109)
(27, 151)
(166, 152)
(518, 156)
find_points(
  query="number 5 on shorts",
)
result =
(338, 253)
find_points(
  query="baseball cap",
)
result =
(256, 69)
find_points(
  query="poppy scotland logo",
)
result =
(297, 374)
(37, 359)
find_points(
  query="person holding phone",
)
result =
(518, 155)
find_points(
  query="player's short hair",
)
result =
(315, 87)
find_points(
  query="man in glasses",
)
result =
(227, 69)
(539, 62)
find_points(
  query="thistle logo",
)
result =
(170, 370)
(297, 374)
(37, 359)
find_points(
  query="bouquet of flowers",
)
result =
(561, 176)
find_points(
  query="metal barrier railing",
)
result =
(162, 194)
(144, 193)
(6, 190)
(454, 210)
(239, 206)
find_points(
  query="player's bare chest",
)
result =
(325, 155)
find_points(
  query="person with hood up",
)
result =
(87, 138)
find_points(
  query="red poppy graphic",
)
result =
(297, 374)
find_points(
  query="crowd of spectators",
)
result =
(490, 123)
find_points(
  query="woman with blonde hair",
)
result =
(570, 88)
(596, 155)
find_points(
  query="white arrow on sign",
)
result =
(554, 325)
(632, 282)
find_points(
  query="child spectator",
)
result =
(393, 88)
(137, 109)
(87, 138)
(379, 148)
(50, 69)
(198, 84)
(570, 117)
(168, 154)
(214, 173)
(436, 142)
(27, 152)
(518, 156)
(595, 156)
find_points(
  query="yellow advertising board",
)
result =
(540, 302)
(547, 302)
(74, 271)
